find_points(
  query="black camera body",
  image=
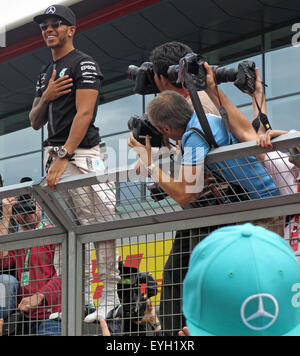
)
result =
(243, 77)
(129, 291)
(141, 127)
(193, 64)
(25, 205)
(144, 78)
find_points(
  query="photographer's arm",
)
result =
(185, 189)
(151, 318)
(7, 206)
(182, 189)
(240, 126)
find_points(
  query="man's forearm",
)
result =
(38, 114)
(240, 126)
(4, 226)
(85, 105)
(78, 131)
(261, 102)
(177, 190)
(4, 230)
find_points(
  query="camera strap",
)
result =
(263, 118)
(202, 134)
(209, 137)
(223, 111)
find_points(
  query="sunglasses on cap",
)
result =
(55, 24)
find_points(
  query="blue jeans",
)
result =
(42, 327)
(8, 295)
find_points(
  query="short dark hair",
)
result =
(166, 55)
(170, 108)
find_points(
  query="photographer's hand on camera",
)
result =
(141, 169)
(7, 206)
(184, 189)
(7, 212)
(144, 152)
(150, 317)
(211, 86)
(239, 124)
(259, 89)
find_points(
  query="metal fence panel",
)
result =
(156, 237)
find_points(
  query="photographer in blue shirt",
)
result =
(171, 115)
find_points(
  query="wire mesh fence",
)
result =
(31, 292)
(107, 247)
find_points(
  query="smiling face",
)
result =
(56, 34)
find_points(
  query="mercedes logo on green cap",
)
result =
(261, 312)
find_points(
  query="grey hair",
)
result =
(170, 108)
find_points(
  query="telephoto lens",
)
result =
(225, 75)
(144, 78)
(132, 72)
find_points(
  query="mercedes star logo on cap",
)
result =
(261, 313)
(51, 10)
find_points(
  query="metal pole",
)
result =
(72, 280)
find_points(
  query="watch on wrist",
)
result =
(156, 325)
(63, 153)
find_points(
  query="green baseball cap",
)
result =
(243, 280)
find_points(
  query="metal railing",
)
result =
(144, 230)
